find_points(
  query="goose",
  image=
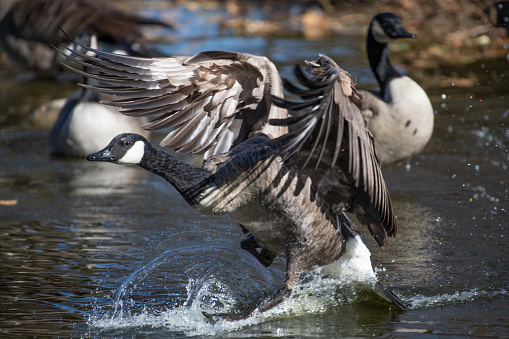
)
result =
(399, 115)
(30, 26)
(285, 171)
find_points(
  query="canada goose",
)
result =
(289, 190)
(29, 27)
(400, 115)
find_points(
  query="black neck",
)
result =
(189, 181)
(378, 55)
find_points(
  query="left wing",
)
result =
(329, 141)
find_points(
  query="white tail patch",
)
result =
(354, 265)
(134, 154)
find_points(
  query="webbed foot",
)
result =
(392, 297)
(280, 295)
(213, 318)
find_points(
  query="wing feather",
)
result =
(196, 98)
(347, 157)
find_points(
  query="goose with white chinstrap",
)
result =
(400, 114)
(288, 189)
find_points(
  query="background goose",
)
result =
(289, 190)
(30, 26)
(26, 32)
(84, 124)
(400, 115)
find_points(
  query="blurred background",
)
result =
(73, 232)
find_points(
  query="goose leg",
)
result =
(292, 277)
(280, 295)
(264, 256)
(293, 273)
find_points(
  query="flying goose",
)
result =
(30, 26)
(400, 114)
(290, 190)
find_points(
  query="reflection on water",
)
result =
(99, 250)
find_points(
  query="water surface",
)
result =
(98, 250)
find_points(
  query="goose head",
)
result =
(126, 148)
(387, 26)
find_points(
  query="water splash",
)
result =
(226, 280)
(422, 301)
(315, 294)
(215, 287)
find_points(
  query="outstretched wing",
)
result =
(211, 101)
(330, 142)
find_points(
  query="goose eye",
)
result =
(127, 143)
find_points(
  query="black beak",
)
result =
(401, 32)
(103, 155)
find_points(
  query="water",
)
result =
(98, 250)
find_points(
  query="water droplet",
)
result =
(444, 96)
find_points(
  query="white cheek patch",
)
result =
(134, 154)
(378, 33)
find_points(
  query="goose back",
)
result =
(84, 125)
(402, 124)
